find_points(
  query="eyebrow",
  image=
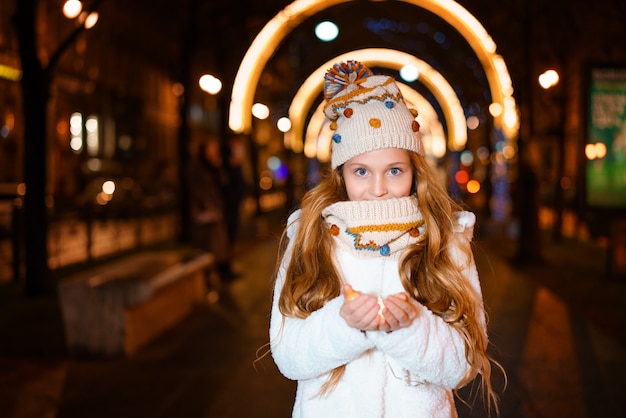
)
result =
(395, 163)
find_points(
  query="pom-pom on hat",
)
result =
(367, 112)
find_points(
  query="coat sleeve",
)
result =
(430, 350)
(313, 346)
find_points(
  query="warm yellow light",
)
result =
(76, 143)
(260, 111)
(262, 48)
(283, 124)
(91, 125)
(103, 198)
(108, 187)
(210, 84)
(318, 136)
(590, 152)
(76, 124)
(473, 186)
(495, 109)
(595, 151)
(10, 73)
(381, 307)
(438, 146)
(323, 143)
(72, 8)
(92, 139)
(91, 20)
(465, 23)
(510, 119)
(548, 78)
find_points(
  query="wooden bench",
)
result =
(119, 307)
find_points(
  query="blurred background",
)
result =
(104, 106)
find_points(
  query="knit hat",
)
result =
(367, 113)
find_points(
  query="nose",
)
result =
(379, 186)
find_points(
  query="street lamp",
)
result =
(89, 20)
(72, 8)
(210, 84)
(548, 79)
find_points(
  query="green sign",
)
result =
(605, 149)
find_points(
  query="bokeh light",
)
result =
(409, 73)
(72, 8)
(283, 124)
(473, 186)
(548, 78)
(326, 31)
(260, 111)
(210, 84)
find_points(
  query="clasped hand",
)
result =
(365, 312)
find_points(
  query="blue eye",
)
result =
(360, 171)
(395, 171)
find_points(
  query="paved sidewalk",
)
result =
(557, 327)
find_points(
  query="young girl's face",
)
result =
(381, 174)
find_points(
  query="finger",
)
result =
(399, 313)
(372, 321)
(368, 322)
(361, 312)
(399, 302)
(384, 325)
(402, 296)
(349, 293)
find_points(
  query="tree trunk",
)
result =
(35, 90)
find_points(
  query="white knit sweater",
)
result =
(406, 373)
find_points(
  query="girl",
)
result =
(377, 308)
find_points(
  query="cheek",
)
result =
(404, 188)
(349, 187)
(354, 189)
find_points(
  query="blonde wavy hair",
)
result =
(312, 280)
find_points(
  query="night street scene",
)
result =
(151, 154)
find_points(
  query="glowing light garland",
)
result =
(290, 17)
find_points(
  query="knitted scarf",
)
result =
(376, 227)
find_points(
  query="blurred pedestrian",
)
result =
(209, 229)
(377, 309)
(237, 186)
